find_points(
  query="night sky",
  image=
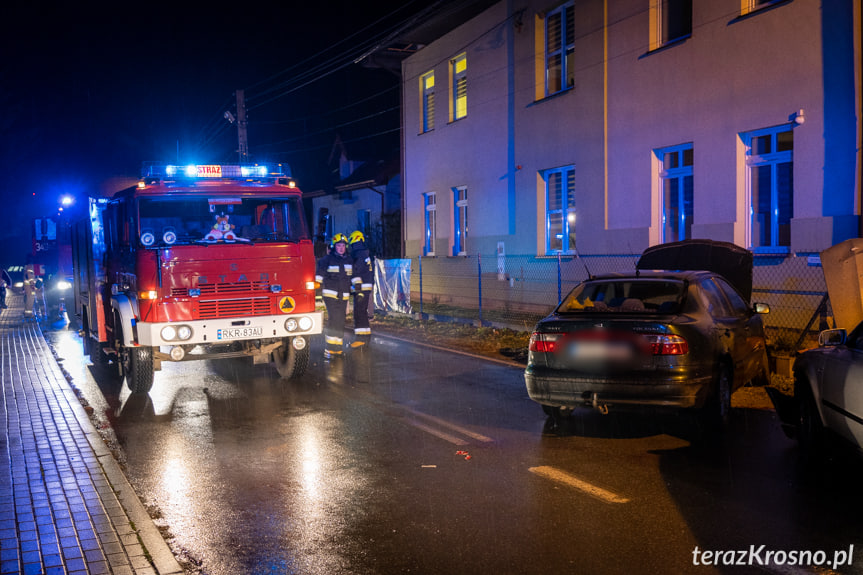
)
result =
(89, 91)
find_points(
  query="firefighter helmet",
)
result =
(339, 238)
(357, 236)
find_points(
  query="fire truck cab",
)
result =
(196, 262)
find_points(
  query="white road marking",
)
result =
(576, 483)
(397, 408)
(453, 426)
(437, 433)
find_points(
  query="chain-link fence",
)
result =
(516, 291)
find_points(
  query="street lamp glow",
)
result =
(67, 201)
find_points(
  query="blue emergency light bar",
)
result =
(204, 171)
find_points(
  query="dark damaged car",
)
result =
(677, 334)
(826, 409)
(828, 393)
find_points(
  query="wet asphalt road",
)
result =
(413, 460)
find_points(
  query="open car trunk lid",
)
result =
(724, 258)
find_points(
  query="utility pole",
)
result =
(241, 128)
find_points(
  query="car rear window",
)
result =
(629, 296)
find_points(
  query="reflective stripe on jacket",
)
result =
(334, 274)
(363, 271)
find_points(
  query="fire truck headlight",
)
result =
(275, 288)
(63, 285)
(184, 332)
(291, 324)
(149, 294)
(310, 285)
(169, 333)
(147, 238)
(306, 323)
(169, 237)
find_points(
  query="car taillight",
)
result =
(667, 345)
(544, 342)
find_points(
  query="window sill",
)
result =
(770, 256)
(456, 121)
(771, 251)
(554, 256)
(759, 10)
(551, 96)
(666, 46)
(426, 132)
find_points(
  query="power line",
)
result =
(342, 125)
(334, 110)
(328, 48)
(348, 141)
(340, 61)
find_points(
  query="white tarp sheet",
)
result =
(393, 285)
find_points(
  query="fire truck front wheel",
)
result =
(291, 363)
(138, 367)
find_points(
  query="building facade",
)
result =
(548, 129)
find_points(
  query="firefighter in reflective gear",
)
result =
(334, 272)
(362, 282)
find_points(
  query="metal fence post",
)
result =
(479, 269)
(420, 258)
(559, 298)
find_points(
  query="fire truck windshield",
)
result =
(196, 220)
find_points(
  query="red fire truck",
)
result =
(51, 261)
(196, 262)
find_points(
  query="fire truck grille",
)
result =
(224, 289)
(233, 308)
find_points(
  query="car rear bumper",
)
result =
(619, 394)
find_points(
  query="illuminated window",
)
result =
(460, 218)
(427, 93)
(458, 70)
(560, 210)
(749, 6)
(675, 175)
(430, 224)
(770, 180)
(560, 49)
(670, 20)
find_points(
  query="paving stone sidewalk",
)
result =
(65, 505)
